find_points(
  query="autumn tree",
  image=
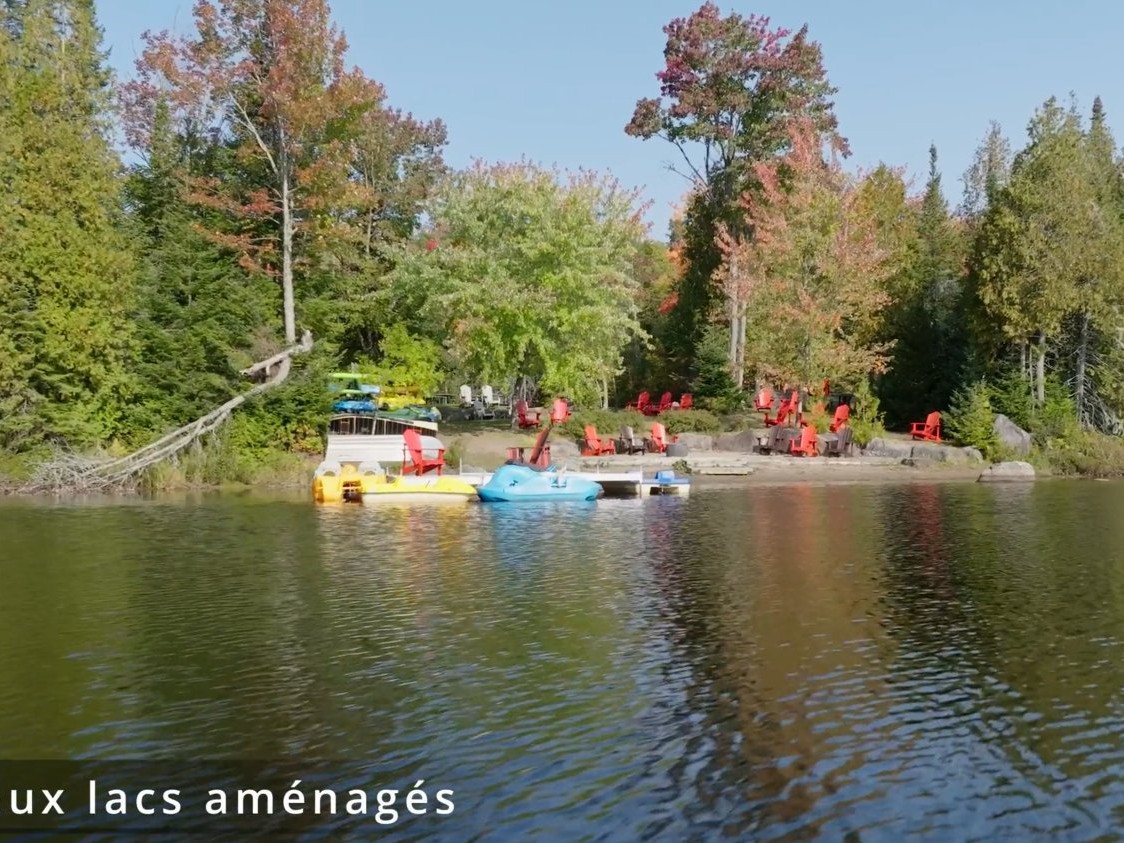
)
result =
(728, 89)
(66, 273)
(267, 79)
(526, 273)
(397, 162)
(817, 271)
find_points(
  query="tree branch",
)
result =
(249, 124)
(698, 177)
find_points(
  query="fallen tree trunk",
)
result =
(77, 473)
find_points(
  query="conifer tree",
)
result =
(65, 270)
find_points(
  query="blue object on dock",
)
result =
(522, 483)
(667, 482)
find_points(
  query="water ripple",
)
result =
(862, 662)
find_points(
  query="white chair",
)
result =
(480, 410)
(486, 395)
(466, 395)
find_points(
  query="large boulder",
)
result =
(1012, 436)
(744, 441)
(945, 453)
(888, 448)
(972, 454)
(1014, 470)
(697, 441)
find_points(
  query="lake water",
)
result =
(864, 662)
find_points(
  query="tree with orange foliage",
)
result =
(266, 79)
(813, 278)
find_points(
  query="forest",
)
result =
(247, 184)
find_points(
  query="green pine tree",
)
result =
(66, 273)
(927, 320)
(197, 311)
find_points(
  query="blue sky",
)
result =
(556, 82)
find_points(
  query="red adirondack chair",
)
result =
(642, 402)
(658, 440)
(842, 415)
(764, 400)
(928, 430)
(686, 401)
(783, 412)
(524, 417)
(559, 411)
(808, 445)
(414, 460)
(595, 445)
(662, 407)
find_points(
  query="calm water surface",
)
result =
(811, 662)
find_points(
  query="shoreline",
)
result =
(484, 450)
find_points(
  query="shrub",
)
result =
(607, 422)
(866, 421)
(1088, 454)
(1011, 396)
(691, 421)
(970, 420)
(1057, 417)
(610, 422)
(712, 386)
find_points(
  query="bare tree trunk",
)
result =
(1024, 367)
(287, 256)
(733, 354)
(1082, 356)
(1040, 370)
(739, 371)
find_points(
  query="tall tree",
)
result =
(819, 273)
(729, 88)
(527, 277)
(926, 316)
(989, 171)
(268, 78)
(66, 273)
(1101, 291)
(397, 163)
(197, 313)
(1031, 252)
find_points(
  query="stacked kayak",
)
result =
(522, 483)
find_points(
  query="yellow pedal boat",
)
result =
(424, 489)
(367, 482)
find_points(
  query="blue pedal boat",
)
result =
(522, 483)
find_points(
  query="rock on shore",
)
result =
(905, 450)
(1014, 470)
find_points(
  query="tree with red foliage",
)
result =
(265, 78)
(729, 87)
(815, 271)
